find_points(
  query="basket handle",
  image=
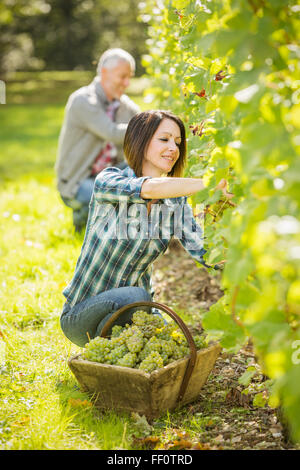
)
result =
(180, 323)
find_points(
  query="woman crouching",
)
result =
(134, 213)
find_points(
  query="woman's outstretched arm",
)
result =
(168, 187)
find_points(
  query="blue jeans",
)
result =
(85, 191)
(80, 203)
(90, 315)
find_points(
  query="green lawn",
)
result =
(41, 405)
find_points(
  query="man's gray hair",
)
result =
(112, 57)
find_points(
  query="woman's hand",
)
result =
(220, 265)
(223, 186)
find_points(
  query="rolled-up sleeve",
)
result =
(111, 185)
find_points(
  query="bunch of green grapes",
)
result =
(180, 351)
(153, 344)
(146, 344)
(115, 354)
(200, 341)
(147, 322)
(134, 339)
(129, 360)
(166, 331)
(116, 331)
(97, 349)
(151, 362)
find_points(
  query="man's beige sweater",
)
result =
(85, 131)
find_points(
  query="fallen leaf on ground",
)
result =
(151, 442)
(78, 403)
(22, 421)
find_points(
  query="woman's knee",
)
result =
(132, 295)
(76, 337)
(81, 323)
(141, 295)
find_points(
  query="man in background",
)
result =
(91, 138)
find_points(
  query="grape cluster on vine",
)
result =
(147, 344)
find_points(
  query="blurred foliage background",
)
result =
(67, 35)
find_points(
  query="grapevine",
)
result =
(231, 71)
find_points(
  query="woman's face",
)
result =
(163, 149)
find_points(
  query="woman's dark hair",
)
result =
(140, 131)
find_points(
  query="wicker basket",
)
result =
(124, 388)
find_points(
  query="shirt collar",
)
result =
(129, 172)
(100, 92)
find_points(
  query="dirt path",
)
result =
(232, 420)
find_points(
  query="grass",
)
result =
(41, 404)
(55, 87)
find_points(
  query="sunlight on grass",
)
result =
(41, 405)
(44, 409)
(38, 252)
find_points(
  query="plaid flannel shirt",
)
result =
(110, 259)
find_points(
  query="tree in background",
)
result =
(67, 35)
